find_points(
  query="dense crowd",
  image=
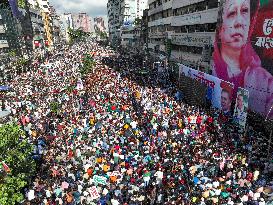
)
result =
(108, 139)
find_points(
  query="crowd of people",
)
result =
(108, 139)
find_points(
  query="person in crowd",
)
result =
(117, 139)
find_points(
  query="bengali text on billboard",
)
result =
(243, 50)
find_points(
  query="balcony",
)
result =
(4, 44)
(155, 10)
(128, 36)
(163, 7)
(159, 22)
(157, 35)
(182, 3)
(190, 58)
(202, 17)
(2, 29)
(193, 39)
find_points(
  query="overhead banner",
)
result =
(220, 92)
(241, 107)
(243, 50)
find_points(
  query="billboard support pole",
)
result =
(269, 112)
(270, 141)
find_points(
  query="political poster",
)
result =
(212, 82)
(243, 50)
(241, 107)
(226, 97)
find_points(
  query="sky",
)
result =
(92, 7)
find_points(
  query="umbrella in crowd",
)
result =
(118, 141)
(4, 88)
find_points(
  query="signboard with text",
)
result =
(243, 50)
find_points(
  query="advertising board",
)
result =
(243, 50)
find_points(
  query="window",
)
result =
(192, 8)
(212, 4)
(212, 27)
(201, 6)
(191, 28)
(201, 28)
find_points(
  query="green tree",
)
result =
(15, 151)
(88, 64)
(137, 21)
(77, 34)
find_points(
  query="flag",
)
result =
(5, 167)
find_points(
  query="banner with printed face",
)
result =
(226, 97)
(243, 50)
(240, 111)
(221, 92)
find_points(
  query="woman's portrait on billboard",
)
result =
(234, 58)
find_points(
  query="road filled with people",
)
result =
(110, 139)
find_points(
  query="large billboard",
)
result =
(220, 92)
(243, 50)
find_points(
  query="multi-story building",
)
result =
(66, 23)
(81, 21)
(36, 21)
(131, 14)
(3, 38)
(43, 6)
(113, 9)
(160, 15)
(189, 25)
(10, 36)
(194, 25)
(99, 24)
(122, 16)
(144, 33)
(141, 6)
(55, 21)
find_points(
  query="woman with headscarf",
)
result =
(234, 57)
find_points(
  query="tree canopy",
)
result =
(17, 165)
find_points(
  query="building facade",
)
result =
(141, 6)
(55, 21)
(122, 17)
(66, 23)
(99, 24)
(113, 12)
(82, 21)
(43, 6)
(194, 28)
(189, 26)
(10, 35)
(4, 45)
(37, 21)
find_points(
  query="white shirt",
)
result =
(114, 202)
(159, 174)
